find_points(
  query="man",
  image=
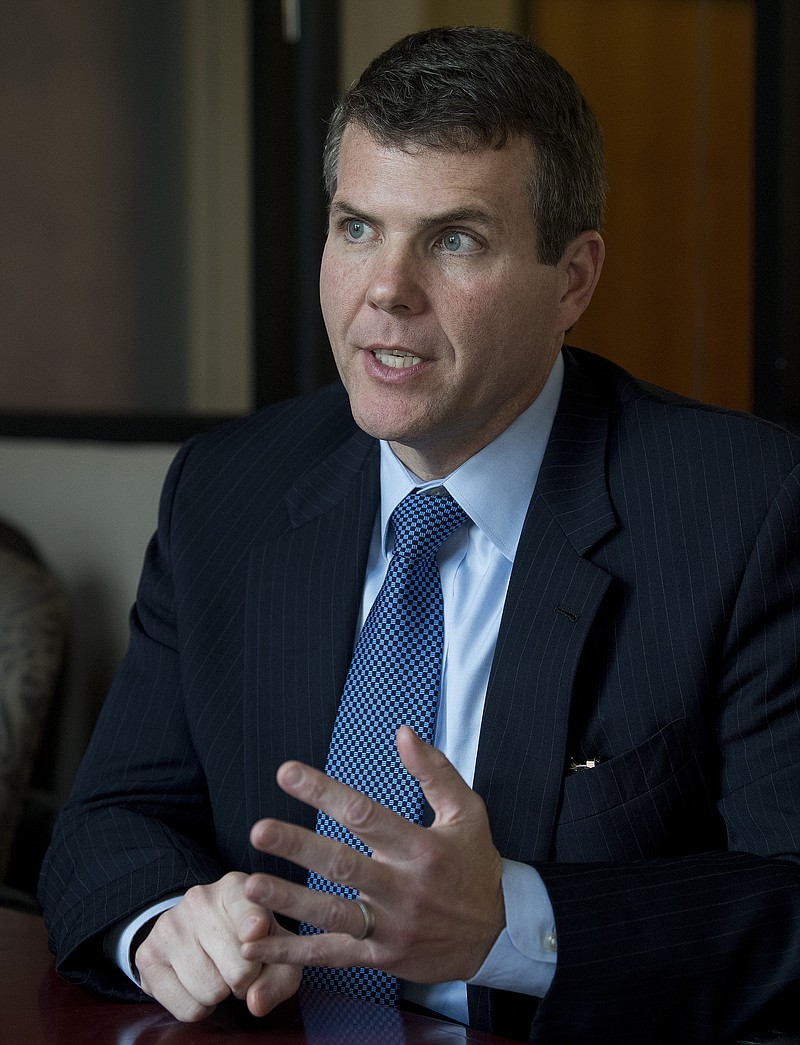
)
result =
(612, 852)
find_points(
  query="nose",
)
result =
(395, 281)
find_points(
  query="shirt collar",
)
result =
(495, 486)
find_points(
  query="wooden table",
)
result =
(37, 1007)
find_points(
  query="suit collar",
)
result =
(326, 485)
(572, 480)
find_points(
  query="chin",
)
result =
(379, 429)
(382, 422)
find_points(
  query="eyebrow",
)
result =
(457, 216)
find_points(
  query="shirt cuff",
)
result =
(117, 941)
(523, 958)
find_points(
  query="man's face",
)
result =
(444, 326)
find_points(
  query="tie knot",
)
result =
(422, 522)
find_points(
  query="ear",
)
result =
(581, 265)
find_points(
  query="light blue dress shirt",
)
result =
(494, 487)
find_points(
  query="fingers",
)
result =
(374, 824)
(248, 919)
(443, 786)
(190, 992)
(276, 984)
(324, 910)
(192, 958)
(336, 950)
(331, 859)
(436, 893)
(394, 841)
(379, 828)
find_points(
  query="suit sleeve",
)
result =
(137, 826)
(692, 949)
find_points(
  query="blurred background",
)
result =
(162, 218)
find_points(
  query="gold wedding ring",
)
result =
(369, 921)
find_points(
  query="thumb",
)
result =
(443, 786)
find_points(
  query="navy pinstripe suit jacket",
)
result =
(652, 622)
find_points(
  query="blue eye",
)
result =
(355, 229)
(458, 243)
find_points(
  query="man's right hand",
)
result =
(192, 958)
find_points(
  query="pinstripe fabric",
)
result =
(651, 623)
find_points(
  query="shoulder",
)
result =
(284, 439)
(237, 475)
(654, 424)
(292, 426)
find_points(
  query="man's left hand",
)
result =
(436, 892)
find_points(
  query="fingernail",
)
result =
(292, 775)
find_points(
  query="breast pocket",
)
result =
(650, 801)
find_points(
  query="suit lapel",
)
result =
(304, 590)
(553, 598)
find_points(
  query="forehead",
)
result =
(425, 178)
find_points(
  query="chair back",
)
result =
(33, 618)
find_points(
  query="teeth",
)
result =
(396, 359)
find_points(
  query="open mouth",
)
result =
(395, 359)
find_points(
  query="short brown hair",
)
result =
(471, 87)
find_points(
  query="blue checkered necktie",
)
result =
(393, 680)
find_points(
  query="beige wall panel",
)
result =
(506, 14)
(672, 83)
(369, 26)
